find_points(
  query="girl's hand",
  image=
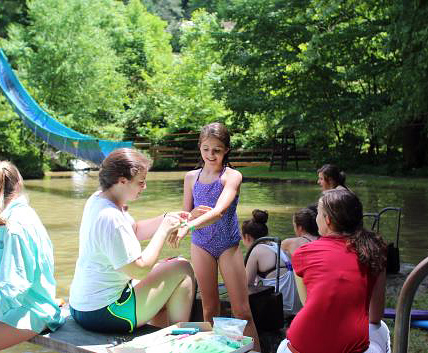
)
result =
(199, 211)
(171, 222)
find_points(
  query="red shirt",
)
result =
(335, 317)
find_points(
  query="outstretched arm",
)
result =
(145, 229)
(149, 256)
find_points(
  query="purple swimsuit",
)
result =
(222, 234)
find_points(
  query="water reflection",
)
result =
(59, 201)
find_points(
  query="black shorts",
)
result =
(118, 317)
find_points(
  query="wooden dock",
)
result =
(72, 338)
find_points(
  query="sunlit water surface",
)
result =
(59, 201)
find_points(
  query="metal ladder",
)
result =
(404, 306)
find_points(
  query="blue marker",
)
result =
(183, 331)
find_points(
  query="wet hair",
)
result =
(122, 162)
(333, 175)
(256, 227)
(307, 219)
(11, 184)
(346, 214)
(218, 131)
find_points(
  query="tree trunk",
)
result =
(415, 143)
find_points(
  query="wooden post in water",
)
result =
(404, 306)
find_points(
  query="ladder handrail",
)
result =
(404, 306)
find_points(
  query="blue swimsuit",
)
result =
(222, 234)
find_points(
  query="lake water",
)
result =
(59, 201)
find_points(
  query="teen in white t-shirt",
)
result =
(102, 297)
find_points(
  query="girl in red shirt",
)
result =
(341, 281)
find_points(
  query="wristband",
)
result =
(192, 229)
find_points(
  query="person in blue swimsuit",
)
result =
(211, 195)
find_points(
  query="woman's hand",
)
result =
(171, 222)
(199, 211)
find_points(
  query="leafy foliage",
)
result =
(69, 60)
(347, 77)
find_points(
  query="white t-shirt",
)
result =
(107, 242)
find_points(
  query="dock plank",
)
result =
(72, 338)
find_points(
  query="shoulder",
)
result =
(261, 249)
(232, 174)
(258, 252)
(109, 213)
(22, 219)
(290, 244)
(191, 175)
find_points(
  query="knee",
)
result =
(181, 266)
(186, 268)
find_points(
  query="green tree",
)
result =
(408, 40)
(171, 11)
(26, 156)
(318, 67)
(185, 93)
(12, 11)
(69, 61)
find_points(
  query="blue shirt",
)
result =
(27, 284)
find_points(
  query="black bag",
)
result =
(267, 310)
(392, 258)
(266, 301)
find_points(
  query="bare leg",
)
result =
(170, 286)
(233, 271)
(206, 272)
(9, 336)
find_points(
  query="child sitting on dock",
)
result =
(27, 283)
(331, 177)
(341, 281)
(261, 264)
(305, 228)
(102, 297)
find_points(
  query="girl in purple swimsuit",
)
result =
(211, 195)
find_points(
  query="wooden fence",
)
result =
(238, 158)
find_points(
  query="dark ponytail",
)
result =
(370, 249)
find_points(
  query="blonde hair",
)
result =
(10, 185)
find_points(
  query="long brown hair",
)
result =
(346, 214)
(11, 185)
(122, 162)
(220, 132)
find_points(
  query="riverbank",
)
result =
(307, 175)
